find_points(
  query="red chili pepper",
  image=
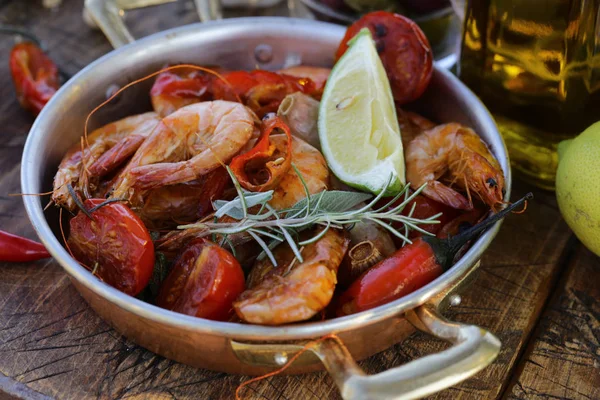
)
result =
(34, 74)
(19, 249)
(410, 268)
(262, 91)
(263, 167)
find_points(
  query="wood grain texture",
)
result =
(52, 345)
(510, 289)
(563, 358)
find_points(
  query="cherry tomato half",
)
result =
(425, 208)
(204, 281)
(404, 51)
(464, 220)
(115, 243)
(34, 74)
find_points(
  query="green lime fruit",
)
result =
(578, 185)
(358, 127)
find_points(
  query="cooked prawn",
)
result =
(312, 166)
(169, 206)
(411, 125)
(294, 291)
(186, 145)
(290, 190)
(460, 152)
(104, 150)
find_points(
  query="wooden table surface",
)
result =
(537, 289)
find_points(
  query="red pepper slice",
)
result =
(15, 248)
(263, 167)
(34, 74)
(411, 267)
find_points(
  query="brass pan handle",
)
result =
(473, 349)
(108, 15)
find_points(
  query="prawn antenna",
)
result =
(30, 194)
(523, 210)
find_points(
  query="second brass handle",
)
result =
(473, 349)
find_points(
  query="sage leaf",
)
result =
(331, 201)
(234, 208)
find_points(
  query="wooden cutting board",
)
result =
(537, 289)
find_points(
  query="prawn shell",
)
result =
(293, 291)
(102, 152)
(450, 157)
(186, 145)
(313, 168)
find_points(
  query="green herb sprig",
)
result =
(330, 209)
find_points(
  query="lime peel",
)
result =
(358, 126)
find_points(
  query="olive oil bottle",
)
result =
(536, 66)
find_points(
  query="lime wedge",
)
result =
(358, 127)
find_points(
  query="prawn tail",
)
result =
(443, 194)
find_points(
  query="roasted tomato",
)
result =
(180, 87)
(408, 269)
(425, 208)
(115, 244)
(204, 281)
(34, 74)
(403, 48)
(460, 223)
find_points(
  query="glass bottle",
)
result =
(536, 66)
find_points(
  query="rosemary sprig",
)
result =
(330, 209)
